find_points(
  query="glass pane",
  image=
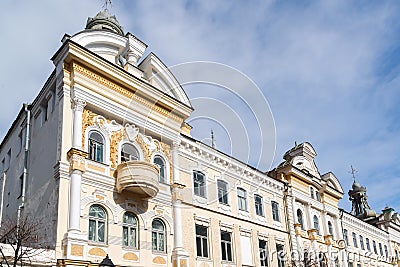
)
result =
(129, 152)
(92, 230)
(154, 241)
(205, 248)
(157, 225)
(229, 251)
(125, 236)
(223, 249)
(198, 246)
(161, 242)
(225, 236)
(101, 231)
(95, 136)
(201, 230)
(132, 237)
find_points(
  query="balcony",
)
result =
(138, 177)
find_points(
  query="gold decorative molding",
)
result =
(183, 263)
(144, 148)
(130, 256)
(87, 120)
(130, 93)
(77, 250)
(97, 252)
(159, 260)
(77, 159)
(116, 138)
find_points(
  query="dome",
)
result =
(356, 186)
(104, 21)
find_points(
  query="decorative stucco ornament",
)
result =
(108, 127)
(131, 132)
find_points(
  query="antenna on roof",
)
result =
(353, 172)
(212, 139)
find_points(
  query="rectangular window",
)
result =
(222, 192)
(374, 245)
(351, 264)
(380, 249)
(199, 184)
(275, 211)
(242, 199)
(202, 241)
(262, 247)
(226, 246)
(21, 185)
(367, 243)
(280, 253)
(361, 242)
(386, 252)
(258, 203)
(355, 240)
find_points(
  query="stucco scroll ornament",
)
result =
(131, 132)
(150, 142)
(108, 127)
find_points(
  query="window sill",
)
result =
(97, 244)
(203, 259)
(160, 253)
(97, 162)
(130, 248)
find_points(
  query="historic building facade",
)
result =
(103, 156)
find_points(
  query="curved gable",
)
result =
(162, 78)
(332, 181)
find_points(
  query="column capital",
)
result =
(176, 144)
(78, 104)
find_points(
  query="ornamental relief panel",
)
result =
(118, 133)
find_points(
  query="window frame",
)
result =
(129, 227)
(368, 244)
(226, 245)
(93, 146)
(159, 233)
(199, 187)
(361, 242)
(203, 241)
(122, 157)
(223, 195)
(330, 228)
(281, 262)
(259, 205)
(300, 219)
(242, 200)
(97, 221)
(165, 178)
(354, 235)
(275, 211)
(263, 252)
(346, 236)
(316, 224)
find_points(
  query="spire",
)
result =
(358, 197)
(104, 21)
(212, 139)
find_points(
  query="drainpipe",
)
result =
(3, 186)
(285, 201)
(26, 155)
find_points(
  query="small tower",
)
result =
(360, 207)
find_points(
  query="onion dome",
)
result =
(104, 21)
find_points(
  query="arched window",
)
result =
(129, 152)
(97, 224)
(159, 161)
(129, 230)
(330, 228)
(96, 146)
(158, 236)
(300, 218)
(316, 223)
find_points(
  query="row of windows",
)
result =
(202, 247)
(98, 229)
(367, 244)
(300, 221)
(128, 153)
(199, 185)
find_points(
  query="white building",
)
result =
(104, 159)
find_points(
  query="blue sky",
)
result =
(329, 69)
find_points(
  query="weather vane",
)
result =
(353, 172)
(107, 3)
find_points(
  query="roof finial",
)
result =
(106, 4)
(212, 139)
(295, 143)
(353, 172)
